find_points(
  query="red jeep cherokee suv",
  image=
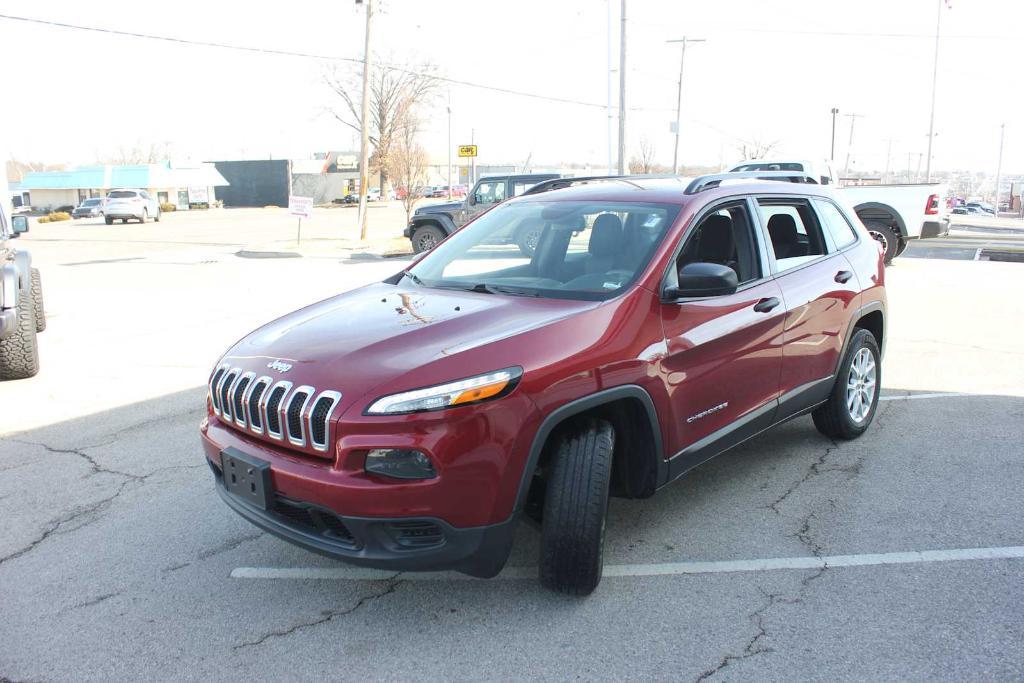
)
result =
(409, 424)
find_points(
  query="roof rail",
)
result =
(706, 182)
(560, 183)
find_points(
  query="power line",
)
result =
(292, 53)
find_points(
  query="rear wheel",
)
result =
(886, 236)
(426, 237)
(145, 216)
(156, 219)
(19, 353)
(108, 220)
(851, 405)
(36, 293)
(575, 510)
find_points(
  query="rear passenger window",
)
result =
(793, 232)
(835, 222)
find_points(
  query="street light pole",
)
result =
(622, 93)
(679, 102)
(835, 111)
(853, 119)
(999, 167)
(935, 78)
(449, 144)
(364, 124)
(608, 84)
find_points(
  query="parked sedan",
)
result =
(90, 208)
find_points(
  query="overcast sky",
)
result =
(770, 70)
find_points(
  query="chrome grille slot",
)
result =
(273, 410)
(214, 381)
(253, 403)
(238, 398)
(294, 414)
(225, 393)
(319, 417)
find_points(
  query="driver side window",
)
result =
(725, 236)
(490, 192)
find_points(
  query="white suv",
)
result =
(125, 204)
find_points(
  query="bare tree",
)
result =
(756, 148)
(395, 95)
(16, 169)
(408, 164)
(643, 160)
(138, 153)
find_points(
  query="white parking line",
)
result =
(910, 397)
(661, 569)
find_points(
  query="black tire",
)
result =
(108, 220)
(575, 509)
(19, 353)
(527, 238)
(887, 236)
(36, 292)
(833, 418)
(145, 216)
(426, 237)
(156, 219)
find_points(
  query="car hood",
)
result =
(438, 208)
(374, 335)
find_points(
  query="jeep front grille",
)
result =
(261, 406)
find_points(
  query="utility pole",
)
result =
(935, 78)
(832, 156)
(449, 144)
(622, 93)
(999, 167)
(364, 123)
(853, 119)
(608, 85)
(888, 159)
(679, 102)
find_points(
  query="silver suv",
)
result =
(125, 204)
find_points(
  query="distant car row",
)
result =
(974, 209)
(375, 195)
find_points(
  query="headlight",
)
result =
(462, 392)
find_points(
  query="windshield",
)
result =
(90, 202)
(558, 249)
(121, 194)
(768, 167)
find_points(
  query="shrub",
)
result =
(43, 219)
(65, 209)
(58, 216)
(167, 206)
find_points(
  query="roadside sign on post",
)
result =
(467, 150)
(302, 207)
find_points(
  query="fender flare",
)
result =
(9, 289)
(580, 405)
(869, 307)
(23, 262)
(878, 206)
(442, 220)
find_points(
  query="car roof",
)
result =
(672, 190)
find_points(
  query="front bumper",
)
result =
(399, 544)
(407, 233)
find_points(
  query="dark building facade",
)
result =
(258, 182)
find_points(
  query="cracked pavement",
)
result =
(114, 544)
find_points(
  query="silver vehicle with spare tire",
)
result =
(21, 303)
(128, 204)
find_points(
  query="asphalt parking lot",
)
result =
(899, 555)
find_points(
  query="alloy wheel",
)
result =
(861, 385)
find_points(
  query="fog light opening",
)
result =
(400, 463)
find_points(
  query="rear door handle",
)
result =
(765, 305)
(843, 275)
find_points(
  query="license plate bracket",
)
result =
(246, 477)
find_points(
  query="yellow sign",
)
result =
(467, 150)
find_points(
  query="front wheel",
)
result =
(426, 238)
(854, 399)
(19, 353)
(886, 236)
(108, 220)
(144, 217)
(575, 510)
(156, 219)
(527, 239)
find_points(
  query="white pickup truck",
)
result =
(893, 214)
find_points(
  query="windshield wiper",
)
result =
(412, 277)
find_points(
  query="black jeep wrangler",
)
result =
(431, 224)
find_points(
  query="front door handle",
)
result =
(765, 305)
(843, 275)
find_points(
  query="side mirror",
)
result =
(19, 224)
(471, 199)
(703, 279)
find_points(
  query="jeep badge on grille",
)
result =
(279, 365)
